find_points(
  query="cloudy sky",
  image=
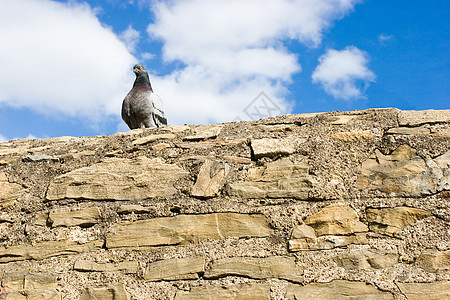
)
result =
(67, 65)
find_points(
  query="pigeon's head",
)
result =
(139, 69)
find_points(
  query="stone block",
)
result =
(43, 250)
(184, 229)
(391, 220)
(84, 217)
(254, 291)
(128, 267)
(272, 147)
(416, 118)
(9, 192)
(118, 179)
(405, 173)
(336, 219)
(210, 179)
(279, 179)
(337, 290)
(434, 260)
(438, 290)
(107, 292)
(366, 259)
(175, 269)
(256, 268)
(326, 242)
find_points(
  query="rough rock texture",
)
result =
(338, 205)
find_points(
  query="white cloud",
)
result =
(340, 72)
(58, 59)
(232, 50)
(2, 139)
(130, 37)
(383, 38)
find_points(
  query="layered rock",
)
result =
(339, 205)
(279, 179)
(118, 179)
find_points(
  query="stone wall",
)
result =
(339, 205)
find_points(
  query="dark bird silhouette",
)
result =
(142, 108)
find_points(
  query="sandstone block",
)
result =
(9, 192)
(204, 132)
(415, 118)
(433, 260)
(366, 259)
(45, 250)
(118, 179)
(337, 290)
(84, 217)
(184, 229)
(175, 269)
(405, 173)
(252, 291)
(431, 291)
(108, 292)
(391, 220)
(152, 138)
(256, 268)
(409, 131)
(127, 267)
(22, 285)
(210, 179)
(326, 242)
(336, 219)
(273, 147)
(279, 179)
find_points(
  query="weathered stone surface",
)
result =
(337, 290)
(415, 118)
(91, 266)
(273, 147)
(256, 268)
(175, 269)
(303, 231)
(39, 157)
(433, 260)
(210, 179)
(341, 120)
(20, 285)
(366, 259)
(23, 280)
(9, 192)
(405, 173)
(118, 179)
(409, 130)
(336, 219)
(204, 132)
(252, 291)
(84, 217)
(183, 229)
(391, 220)
(438, 290)
(152, 138)
(279, 179)
(352, 136)
(108, 292)
(326, 242)
(44, 250)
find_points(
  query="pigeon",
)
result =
(142, 108)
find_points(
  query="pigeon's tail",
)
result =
(159, 120)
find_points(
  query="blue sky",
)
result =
(66, 65)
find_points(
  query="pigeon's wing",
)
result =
(158, 110)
